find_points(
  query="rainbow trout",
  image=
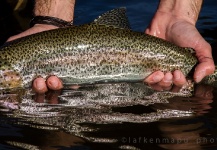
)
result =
(105, 50)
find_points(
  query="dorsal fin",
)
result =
(116, 18)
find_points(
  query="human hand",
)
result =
(35, 29)
(63, 10)
(183, 33)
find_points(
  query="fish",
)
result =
(21, 4)
(103, 51)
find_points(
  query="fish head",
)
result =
(9, 77)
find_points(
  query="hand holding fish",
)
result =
(54, 8)
(175, 21)
(178, 30)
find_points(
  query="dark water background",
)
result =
(196, 130)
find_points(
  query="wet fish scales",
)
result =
(88, 54)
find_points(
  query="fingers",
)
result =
(206, 64)
(54, 83)
(203, 69)
(157, 80)
(160, 81)
(164, 84)
(41, 86)
(154, 77)
(167, 80)
(179, 78)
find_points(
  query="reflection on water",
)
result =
(124, 116)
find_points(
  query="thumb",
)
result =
(203, 69)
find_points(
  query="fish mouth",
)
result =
(9, 79)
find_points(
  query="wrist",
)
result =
(50, 21)
(187, 10)
(62, 9)
(44, 27)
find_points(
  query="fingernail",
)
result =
(39, 84)
(54, 83)
(200, 76)
(177, 75)
(168, 78)
(156, 78)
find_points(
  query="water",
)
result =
(117, 116)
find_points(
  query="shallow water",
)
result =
(117, 116)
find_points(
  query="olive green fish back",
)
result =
(102, 51)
